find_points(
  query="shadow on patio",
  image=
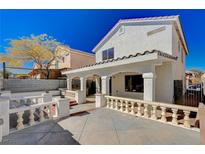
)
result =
(48, 133)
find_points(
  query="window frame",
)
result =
(106, 54)
(130, 78)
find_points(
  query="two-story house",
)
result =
(141, 58)
(68, 59)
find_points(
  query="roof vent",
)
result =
(121, 30)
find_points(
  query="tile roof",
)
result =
(160, 53)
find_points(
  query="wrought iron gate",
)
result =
(194, 95)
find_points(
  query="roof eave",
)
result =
(145, 53)
(183, 36)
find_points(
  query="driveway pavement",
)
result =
(102, 126)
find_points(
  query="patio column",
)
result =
(105, 85)
(97, 81)
(100, 100)
(69, 83)
(149, 86)
(82, 84)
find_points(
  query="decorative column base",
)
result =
(63, 107)
(80, 97)
(100, 100)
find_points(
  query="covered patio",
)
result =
(140, 76)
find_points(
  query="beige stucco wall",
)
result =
(135, 39)
(118, 87)
(164, 85)
(78, 59)
(66, 63)
(178, 67)
(164, 91)
(26, 85)
(74, 60)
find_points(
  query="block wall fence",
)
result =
(28, 85)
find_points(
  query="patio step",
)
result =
(81, 113)
(73, 103)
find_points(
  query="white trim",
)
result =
(72, 50)
(149, 75)
(143, 58)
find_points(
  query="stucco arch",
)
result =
(92, 75)
(118, 72)
(75, 83)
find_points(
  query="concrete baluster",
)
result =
(122, 107)
(31, 117)
(187, 119)
(112, 103)
(50, 112)
(42, 114)
(163, 114)
(20, 120)
(116, 104)
(146, 114)
(108, 102)
(154, 112)
(133, 108)
(174, 116)
(126, 106)
(139, 113)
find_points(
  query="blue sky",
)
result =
(83, 29)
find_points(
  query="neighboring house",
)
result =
(69, 59)
(37, 73)
(72, 58)
(141, 58)
(194, 77)
(189, 77)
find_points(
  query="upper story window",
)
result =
(108, 54)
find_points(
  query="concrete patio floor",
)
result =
(102, 126)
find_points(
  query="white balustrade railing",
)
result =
(79, 96)
(177, 115)
(26, 100)
(37, 113)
